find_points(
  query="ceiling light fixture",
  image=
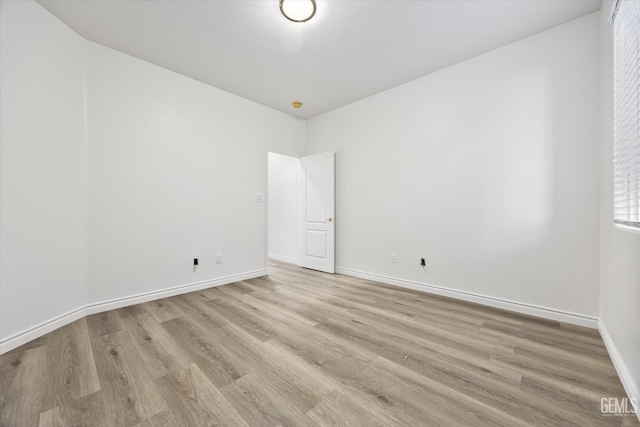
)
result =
(298, 10)
(296, 104)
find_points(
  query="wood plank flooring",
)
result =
(302, 348)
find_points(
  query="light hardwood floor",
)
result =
(302, 348)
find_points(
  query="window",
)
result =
(626, 112)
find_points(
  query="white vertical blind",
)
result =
(626, 30)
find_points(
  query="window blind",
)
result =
(626, 159)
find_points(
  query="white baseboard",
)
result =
(283, 258)
(534, 310)
(629, 384)
(23, 337)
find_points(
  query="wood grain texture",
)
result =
(304, 348)
(127, 386)
(103, 323)
(160, 352)
(196, 401)
(163, 309)
(163, 419)
(86, 411)
(22, 373)
(71, 371)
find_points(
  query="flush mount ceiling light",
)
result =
(296, 104)
(298, 10)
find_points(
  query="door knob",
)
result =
(330, 219)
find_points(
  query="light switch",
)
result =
(260, 198)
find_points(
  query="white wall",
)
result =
(116, 174)
(175, 167)
(619, 246)
(283, 202)
(43, 215)
(489, 169)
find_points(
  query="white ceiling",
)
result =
(348, 51)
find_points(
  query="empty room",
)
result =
(319, 213)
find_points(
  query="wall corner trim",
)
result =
(630, 386)
(20, 338)
(519, 307)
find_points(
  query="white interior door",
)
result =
(317, 199)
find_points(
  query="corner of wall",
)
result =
(626, 378)
(619, 247)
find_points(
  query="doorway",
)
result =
(301, 210)
(283, 208)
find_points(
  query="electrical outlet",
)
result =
(394, 258)
(195, 262)
(218, 258)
